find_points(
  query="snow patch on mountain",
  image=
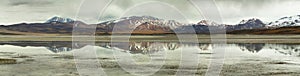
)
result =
(286, 21)
(138, 20)
(207, 22)
(57, 19)
(251, 21)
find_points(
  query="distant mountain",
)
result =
(55, 25)
(135, 21)
(286, 21)
(139, 25)
(256, 26)
(153, 25)
(251, 24)
(208, 22)
(285, 25)
(57, 19)
(247, 24)
(40, 28)
(203, 26)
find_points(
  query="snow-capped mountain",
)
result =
(57, 19)
(200, 28)
(251, 24)
(56, 49)
(208, 22)
(251, 21)
(135, 21)
(286, 21)
(247, 24)
(153, 25)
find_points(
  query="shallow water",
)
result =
(260, 49)
(272, 59)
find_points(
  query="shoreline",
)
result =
(160, 38)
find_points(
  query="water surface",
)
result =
(284, 58)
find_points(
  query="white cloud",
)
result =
(232, 11)
(17, 11)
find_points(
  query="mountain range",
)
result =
(152, 25)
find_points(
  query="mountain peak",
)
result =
(207, 22)
(138, 20)
(251, 21)
(141, 17)
(57, 19)
(248, 24)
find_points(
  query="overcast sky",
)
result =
(232, 11)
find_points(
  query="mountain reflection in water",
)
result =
(153, 47)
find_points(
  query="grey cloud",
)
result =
(235, 10)
(31, 11)
(123, 3)
(30, 2)
(232, 11)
